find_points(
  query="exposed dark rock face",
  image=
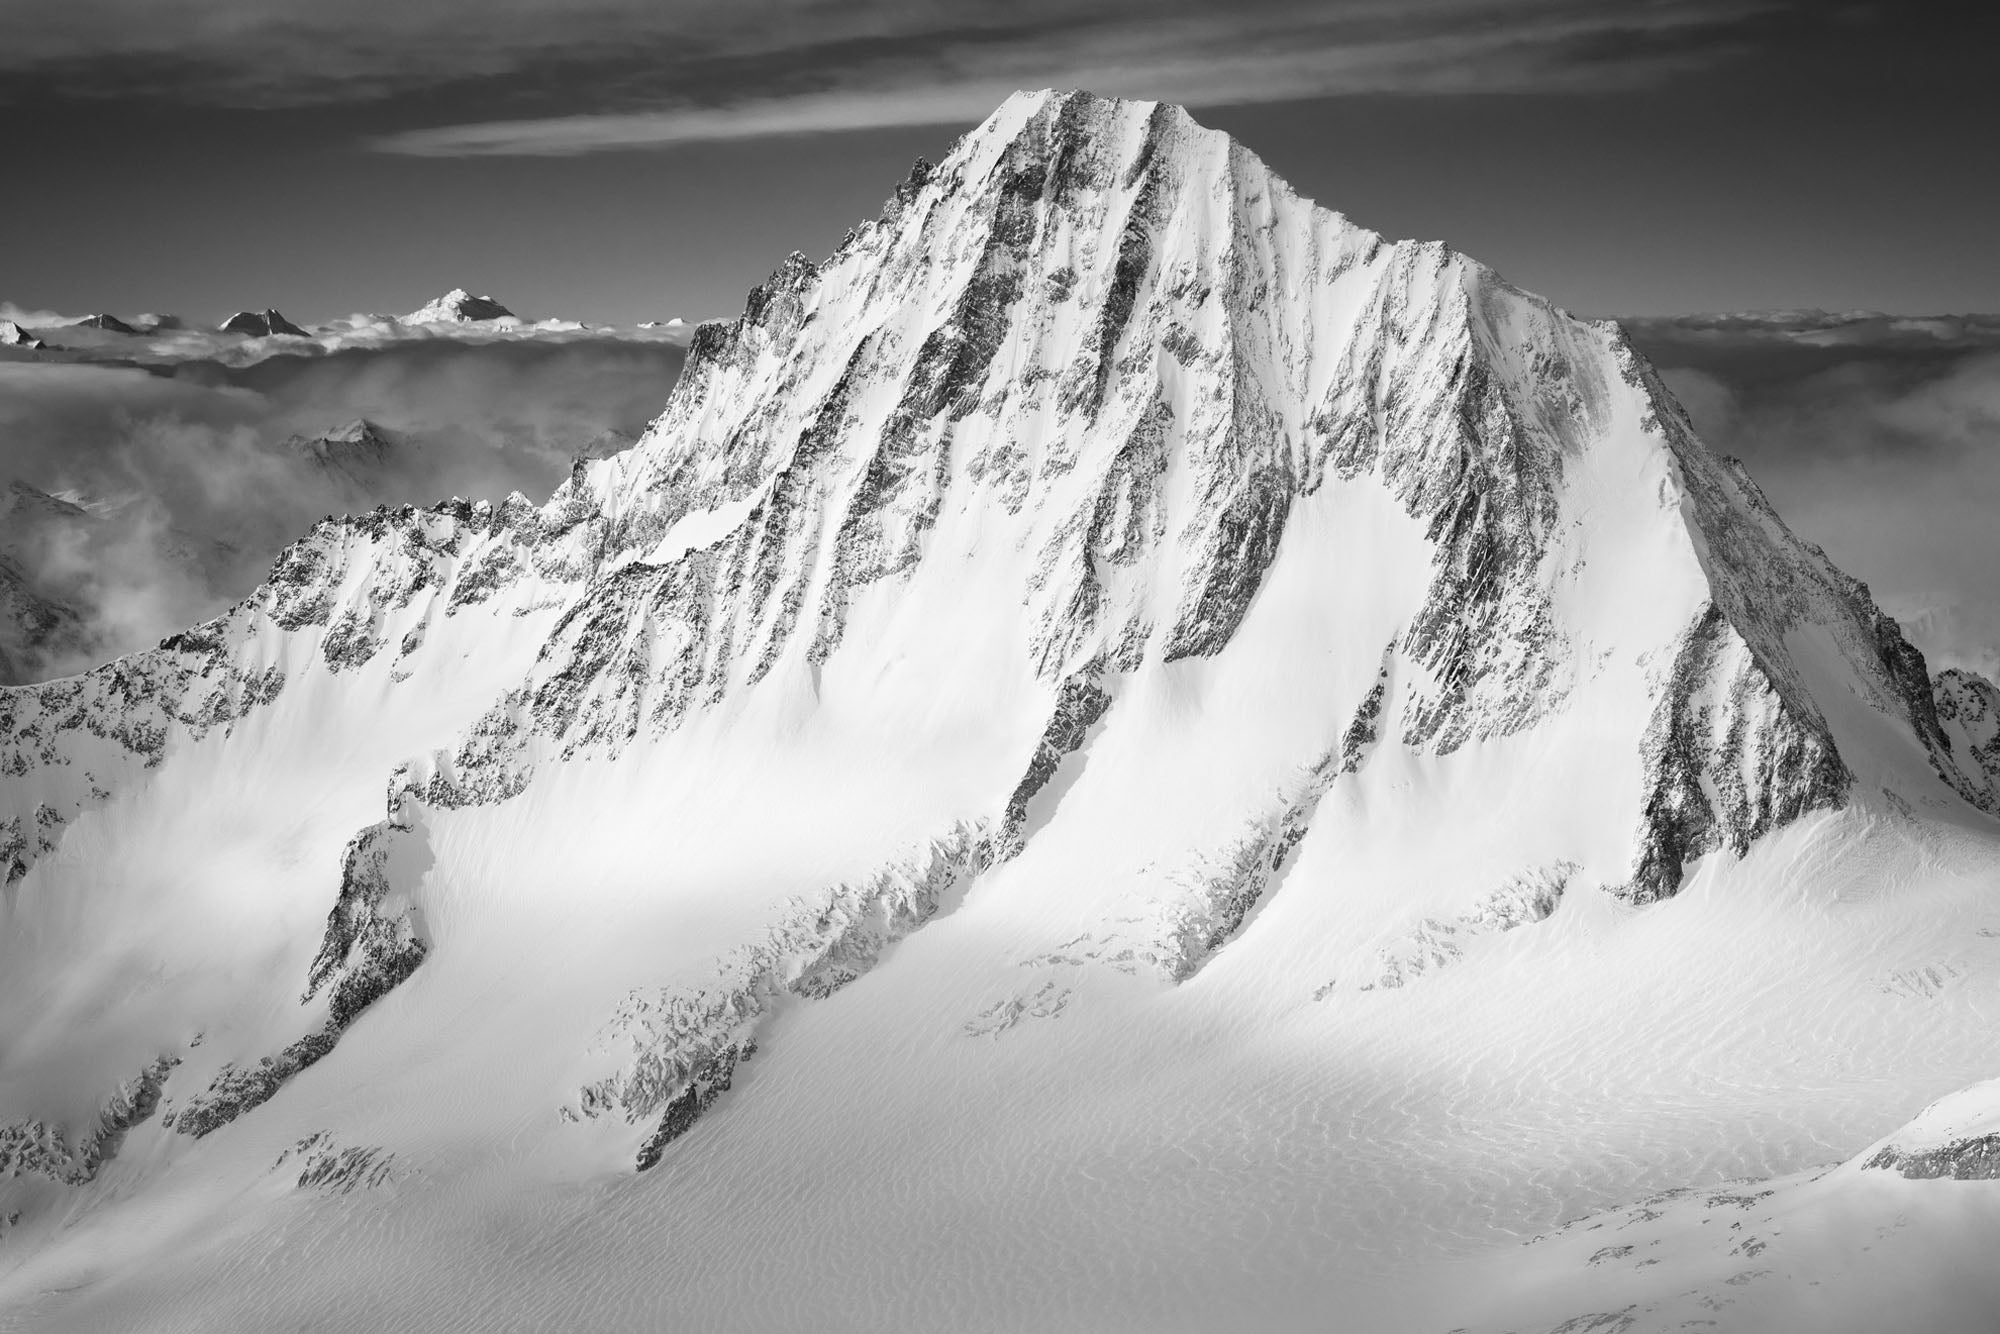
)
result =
(370, 944)
(1726, 762)
(332, 1170)
(261, 324)
(374, 941)
(108, 323)
(1973, 1159)
(708, 1081)
(1968, 717)
(1080, 702)
(239, 1089)
(35, 1147)
(679, 1047)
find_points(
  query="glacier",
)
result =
(1126, 753)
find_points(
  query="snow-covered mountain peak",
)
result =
(1109, 587)
(459, 306)
(1101, 365)
(1110, 342)
(261, 324)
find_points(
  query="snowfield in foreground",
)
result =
(1125, 754)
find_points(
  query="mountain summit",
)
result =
(459, 306)
(1124, 752)
(261, 324)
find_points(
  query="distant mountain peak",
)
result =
(261, 324)
(459, 306)
(24, 498)
(356, 442)
(13, 335)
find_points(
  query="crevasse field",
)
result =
(1126, 754)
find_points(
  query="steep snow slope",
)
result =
(1125, 754)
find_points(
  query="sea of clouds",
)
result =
(173, 461)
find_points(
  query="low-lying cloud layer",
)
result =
(1877, 437)
(140, 495)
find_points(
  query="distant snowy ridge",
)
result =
(247, 336)
(459, 306)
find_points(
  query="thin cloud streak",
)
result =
(664, 71)
(1198, 63)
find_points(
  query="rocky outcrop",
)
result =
(239, 1089)
(1956, 1138)
(677, 1048)
(1968, 716)
(1738, 745)
(374, 940)
(459, 306)
(44, 1150)
(1079, 703)
(1725, 760)
(373, 935)
(332, 1169)
(1976, 1158)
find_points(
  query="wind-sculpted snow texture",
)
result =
(1116, 670)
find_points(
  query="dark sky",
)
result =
(620, 160)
